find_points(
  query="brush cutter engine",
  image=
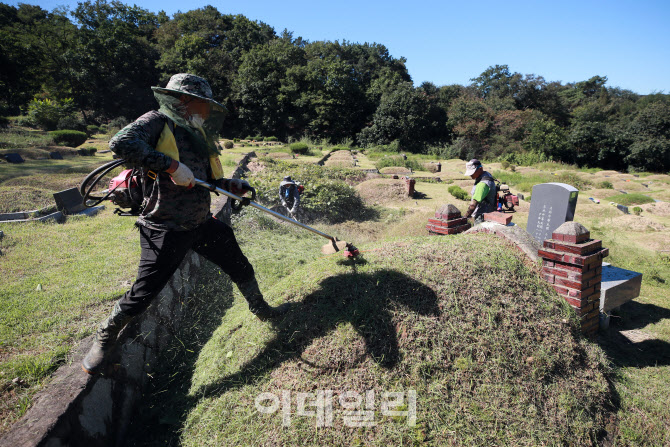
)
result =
(505, 199)
(126, 190)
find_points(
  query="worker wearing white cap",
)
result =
(483, 192)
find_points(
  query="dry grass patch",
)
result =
(395, 170)
(380, 191)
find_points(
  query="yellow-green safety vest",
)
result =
(168, 146)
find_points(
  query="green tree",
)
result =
(546, 137)
(650, 133)
(32, 46)
(403, 115)
(114, 61)
(497, 81)
(209, 44)
(262, 108)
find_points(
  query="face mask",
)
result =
(196, 121)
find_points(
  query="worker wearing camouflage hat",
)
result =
(174, 145)
(483, 192)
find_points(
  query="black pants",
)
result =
(163, 251)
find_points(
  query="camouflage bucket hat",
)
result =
(191, 85)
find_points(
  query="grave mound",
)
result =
(488, 350)
(379, 191)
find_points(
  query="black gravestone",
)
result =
(551, 205)
(14, 158)
(69, 201)
(56, 155)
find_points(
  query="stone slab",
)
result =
(14, 158)
(618, 287)
(57, 217)
(69, 201)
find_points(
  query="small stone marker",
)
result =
(552, 205)
(55, 155)
(69, 201)
(14, 158)
(572, 264)
(623, 208)
(448, 220)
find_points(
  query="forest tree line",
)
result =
(101, 59)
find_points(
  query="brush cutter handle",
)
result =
(244, 201)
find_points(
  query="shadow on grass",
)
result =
(367, 301)
(636, 350)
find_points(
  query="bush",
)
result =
(299, 148)
(270, 139)
(92, 129)
(258, 138)
(458, 192)
(248, 137)
(46, 113)
(70, 138)
(4, 121)
(505, 164)
(637, 210)
(236, 140)
(71, 123)
(574, 180)
(327, 192)
(227, 144)
(87, 151)
(605, 185)
(116, 124)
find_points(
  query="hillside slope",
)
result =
(491, 352)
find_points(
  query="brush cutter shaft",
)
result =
(262, 208)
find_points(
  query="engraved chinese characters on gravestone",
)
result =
(551, 205)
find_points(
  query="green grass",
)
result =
(12, 139)
(630, 199)
(525, 182)
(396, 322)
(57, 282)
(204, 392)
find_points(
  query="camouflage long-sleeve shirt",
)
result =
(167, 206)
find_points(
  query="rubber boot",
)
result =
(105, 339)
(257, 305)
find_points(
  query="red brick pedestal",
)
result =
(447, 220)
(572, 263)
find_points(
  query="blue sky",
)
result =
(449, 42)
